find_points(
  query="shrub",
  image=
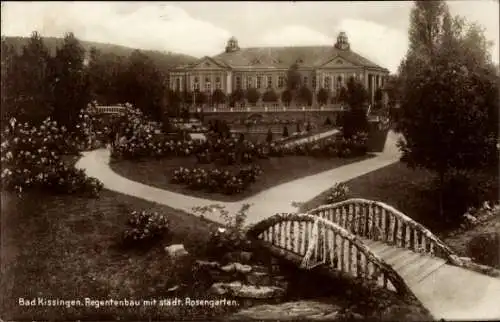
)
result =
(285, 132)
(269, 137)
(484, 249)
(30, 158)
(339, 192)
(145, 228)
(462, 190)
(217, 180)
(232, 236)
(308, 127)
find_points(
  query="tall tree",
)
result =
(305, 95)
(27, 86)
(286, 96)
(293, 80)
(450, 105)
(144, 85)
(355, 119)
(70, 82)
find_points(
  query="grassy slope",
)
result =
(68, 247)
(275, 171)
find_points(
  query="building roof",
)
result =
(284, 57)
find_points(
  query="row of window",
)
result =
(327, 82)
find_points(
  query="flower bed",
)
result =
(217, 180)
(31, 158)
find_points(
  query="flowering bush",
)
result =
(232, 236)
(30, 158)
(339, 192)
(145, 227)
(216, 180)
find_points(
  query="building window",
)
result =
(327, 82)
(249, 82)
(238, 82)
(196, 83)
(314, 82)
(259, 81)
(281, 81)
(269, 81)
(306, 80)
(217, 83)
(208, 85)
(177, 83)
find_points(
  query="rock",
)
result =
(258, 278)
(218, 289)
(258, 292)
(207, 264)
(176, 251)
(281, 281)
(406, 312)
(241, 257)
(239, 289)
(237, 267)
(307, 310)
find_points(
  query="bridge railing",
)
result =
(380, 222)
(295, 237)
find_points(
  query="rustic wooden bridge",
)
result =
(373, 241)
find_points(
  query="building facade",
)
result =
(265, 68)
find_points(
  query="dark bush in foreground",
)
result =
(484, 249)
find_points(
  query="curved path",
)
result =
(274, 200)
(449, 292)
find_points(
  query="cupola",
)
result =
(342, 41)
(232, 45)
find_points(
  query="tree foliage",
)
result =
(238, 96)
(286, 96)
(354, 120)
(26, 81)
(293, 78)
(305, 96)
(449, 94)
(218, 97)
(71, 87)
(269, 96)
(252, 95)
(323, 95)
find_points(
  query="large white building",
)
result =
(327, 67)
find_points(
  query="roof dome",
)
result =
(232, 45)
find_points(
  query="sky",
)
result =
(377, 30)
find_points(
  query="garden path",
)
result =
(264, 204)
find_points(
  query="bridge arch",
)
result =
(377, 221)
(304, 237)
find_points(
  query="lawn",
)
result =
(67, 248)
(62, 247)
(158, 172)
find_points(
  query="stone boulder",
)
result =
(238, 289)
(176, 251)
(307, 310)
(241, 257)
(236, 268)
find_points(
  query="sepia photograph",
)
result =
(250, 161)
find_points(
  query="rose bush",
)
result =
(31, 158)
(145, 228)
(216, 180)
